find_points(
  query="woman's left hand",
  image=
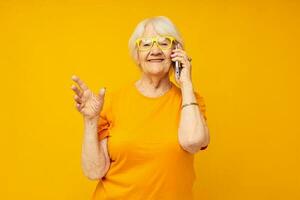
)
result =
(185, 74)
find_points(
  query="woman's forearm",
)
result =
(192, 133)
(93, 159)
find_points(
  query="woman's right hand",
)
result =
(87, 103)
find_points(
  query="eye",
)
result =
(163, 41)
(145, 42)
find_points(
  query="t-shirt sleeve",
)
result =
(200, 101)
(105, 120)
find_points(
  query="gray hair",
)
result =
(162, 26)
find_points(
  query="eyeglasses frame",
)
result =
(154, 40)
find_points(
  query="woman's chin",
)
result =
(157, 69)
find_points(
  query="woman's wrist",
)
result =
(187, 85)
(91, 120)
(189, 104)
(187, 92)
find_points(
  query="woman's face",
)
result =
(149, 60)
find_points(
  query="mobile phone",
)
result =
(177, 65)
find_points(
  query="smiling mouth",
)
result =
(156, 60)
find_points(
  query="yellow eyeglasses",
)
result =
(163, 42)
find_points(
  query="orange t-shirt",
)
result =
(147, 161)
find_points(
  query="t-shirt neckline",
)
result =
(152, 98)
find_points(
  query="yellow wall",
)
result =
(244, 63)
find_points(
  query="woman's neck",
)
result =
(153, 86)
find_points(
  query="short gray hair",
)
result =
(162, 26)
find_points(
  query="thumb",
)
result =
(102, 92)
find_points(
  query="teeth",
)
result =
(156, 60)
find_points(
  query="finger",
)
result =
(102, 92)
(77, 99)
(77, 105)
(182, 54)
(81, 84)
(182, 60)
(178, 50)
(179, 54)
(178, 58)
(76, 90)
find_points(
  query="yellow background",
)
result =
(245, 64)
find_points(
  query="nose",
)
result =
(155, 49)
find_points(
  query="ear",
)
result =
(137, 58)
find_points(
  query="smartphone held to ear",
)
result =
(177, 65)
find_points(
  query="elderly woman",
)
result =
(140, 141)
